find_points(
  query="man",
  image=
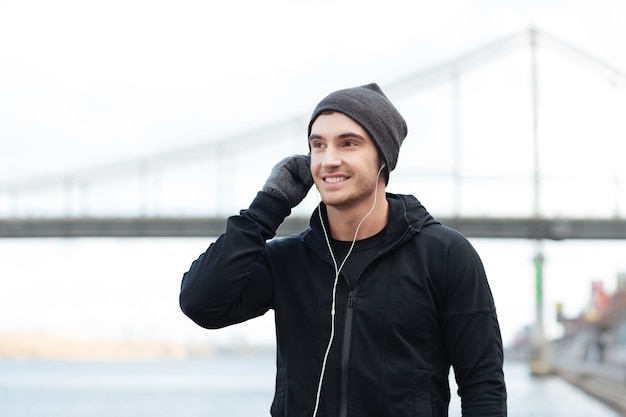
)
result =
(375, 301)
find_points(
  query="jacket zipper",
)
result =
(345, 350)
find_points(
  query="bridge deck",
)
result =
(479, 227)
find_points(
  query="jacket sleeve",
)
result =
(230, 282)
(472, 333)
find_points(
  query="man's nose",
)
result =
(331, 157)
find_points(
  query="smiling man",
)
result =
(375, 301)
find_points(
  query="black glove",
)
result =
(291, 179)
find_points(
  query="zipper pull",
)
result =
(351, 299)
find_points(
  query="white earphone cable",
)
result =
(334, 293)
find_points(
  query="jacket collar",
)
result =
(407, 217)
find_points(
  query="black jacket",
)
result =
(421, 305)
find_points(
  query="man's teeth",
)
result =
(335, 179)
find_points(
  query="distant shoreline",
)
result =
(22, 345)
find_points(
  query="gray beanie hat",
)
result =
(368, 106)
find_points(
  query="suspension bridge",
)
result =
(521, 138)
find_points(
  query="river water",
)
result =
(220, 386)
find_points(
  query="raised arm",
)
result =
(230, 282)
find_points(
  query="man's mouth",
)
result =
(335, 180)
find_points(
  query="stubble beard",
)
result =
(359, 192)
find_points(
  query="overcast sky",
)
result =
(83, 82)
(89, 82)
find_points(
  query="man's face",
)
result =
(344, 161)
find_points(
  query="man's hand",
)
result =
(291, 179)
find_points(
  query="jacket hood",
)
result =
(407, 217)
